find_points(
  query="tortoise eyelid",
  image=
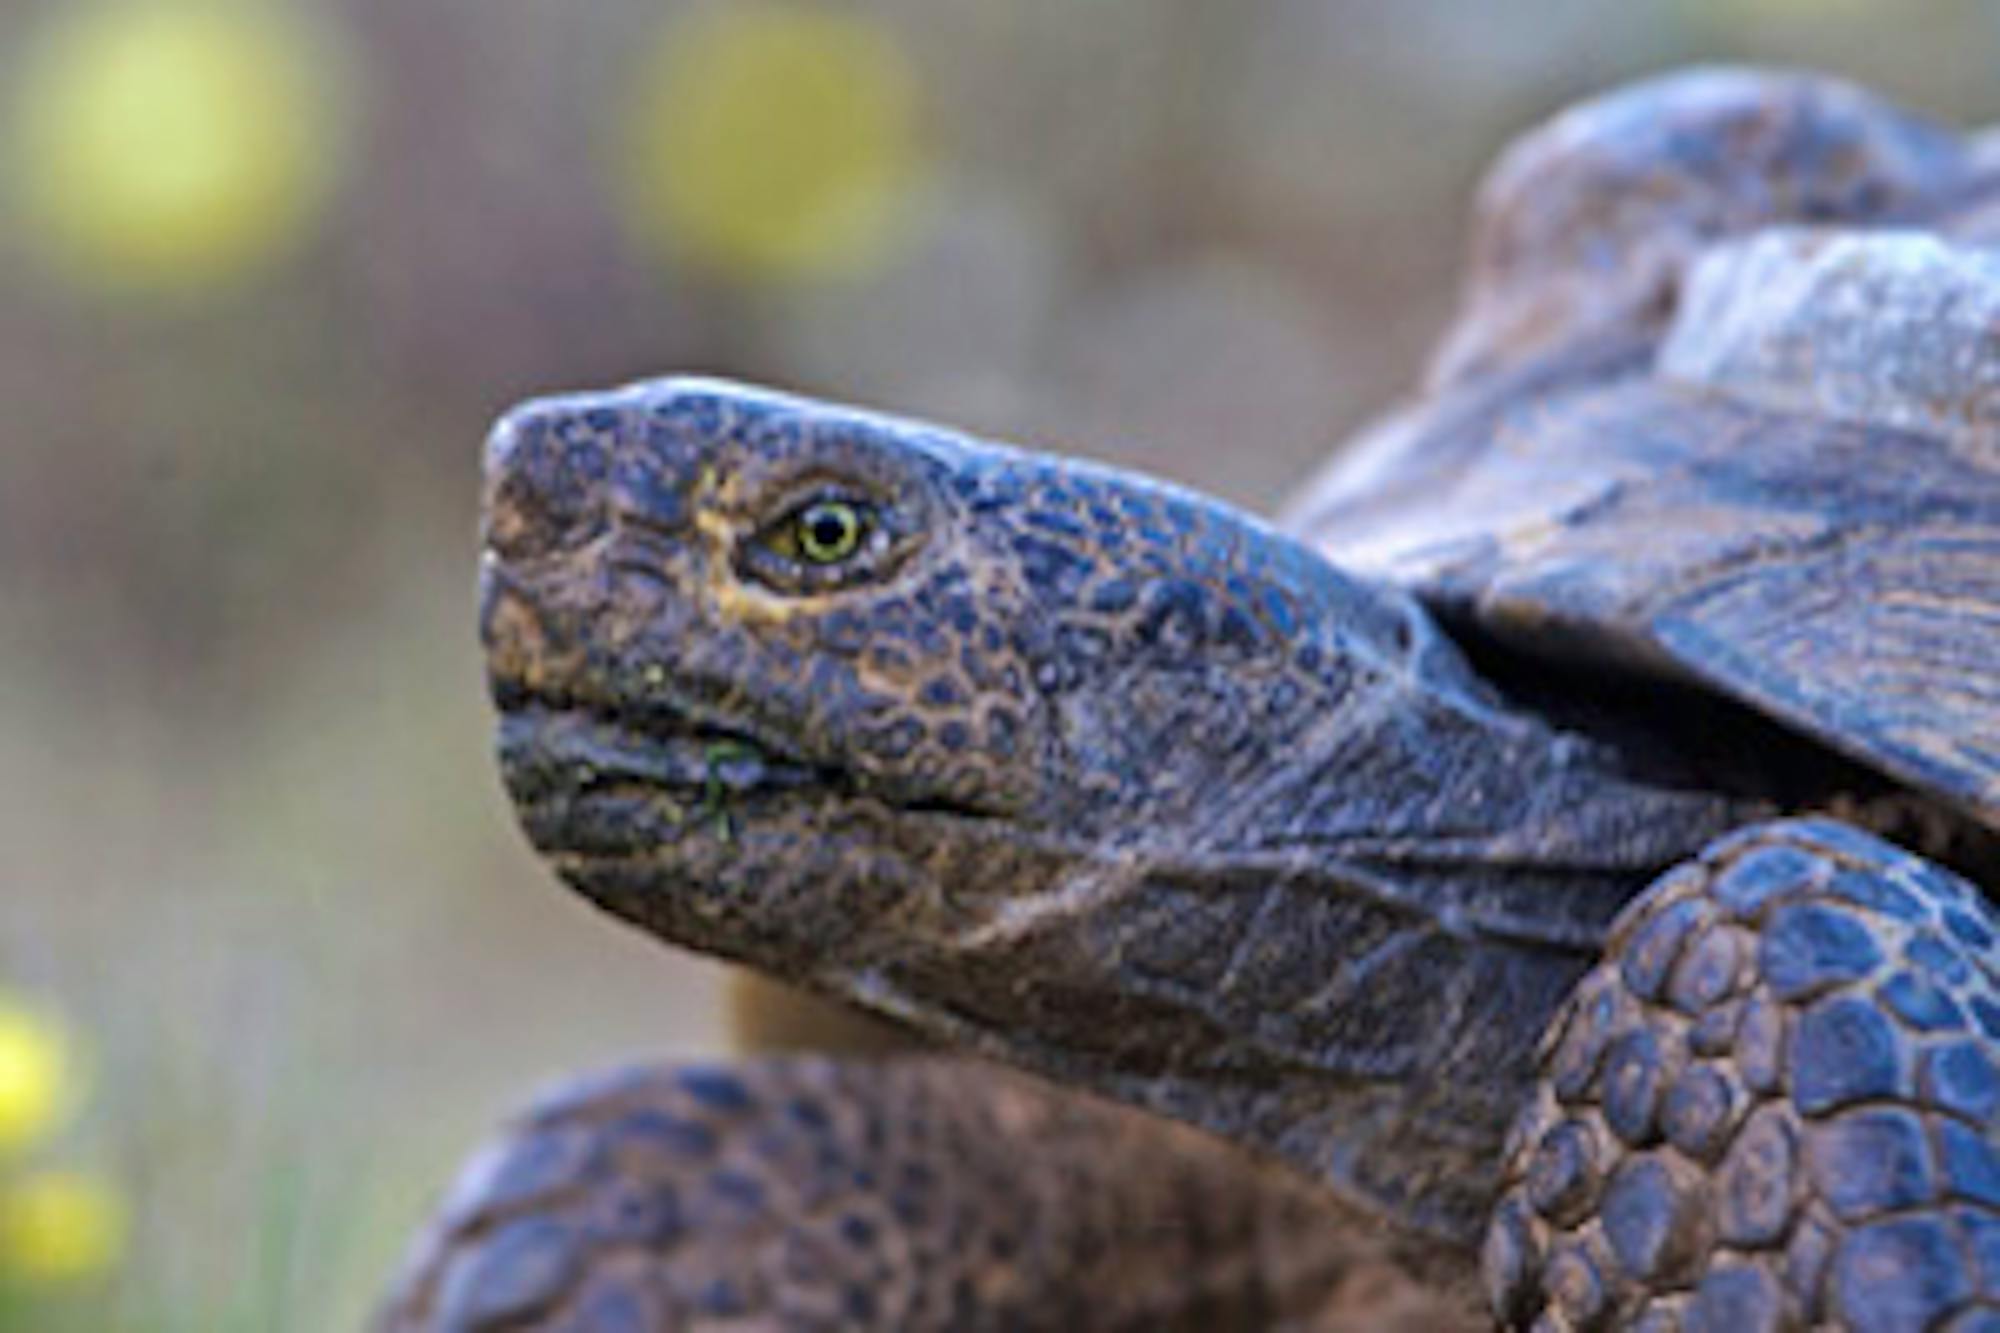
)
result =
(775, 553)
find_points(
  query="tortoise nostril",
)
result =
(548, 467)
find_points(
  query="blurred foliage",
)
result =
(769, 141)
(60, 1225)
(37, 1080)
(250, 835)
(168, 143)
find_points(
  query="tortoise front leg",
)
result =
(1772, 1106)
(918, 1193)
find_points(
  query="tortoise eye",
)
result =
(825, 541)
(827, 532)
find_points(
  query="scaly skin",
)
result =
(818, 1194)
(1111, 781)
(1122, 786)
(1773, 1106)
(1062, 764)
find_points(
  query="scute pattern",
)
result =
(1885, 327)
(1772, 1106)
(1585, 225)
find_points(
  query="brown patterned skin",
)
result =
(1101, 777)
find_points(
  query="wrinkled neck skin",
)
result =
(1094, 775)
(1338, 944)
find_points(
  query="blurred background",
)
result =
(271, 952)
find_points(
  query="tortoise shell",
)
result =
(1680, 431)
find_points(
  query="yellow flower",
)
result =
(769, 140)
(60, 1225)
(37, 1078)
(170, 144)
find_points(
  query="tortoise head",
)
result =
(773, 673)
(1050, 760)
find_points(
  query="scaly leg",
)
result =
(1773, 1106)
(913, 1192)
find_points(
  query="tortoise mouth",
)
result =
(561, 742)
(619, 779)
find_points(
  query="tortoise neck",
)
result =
(1430, 879)
(1349, 963)
(1481, 815)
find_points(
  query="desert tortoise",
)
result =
(1607, 747)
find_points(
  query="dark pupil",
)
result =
(830, 532)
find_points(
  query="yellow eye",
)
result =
(828, 531)
(822, 542)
